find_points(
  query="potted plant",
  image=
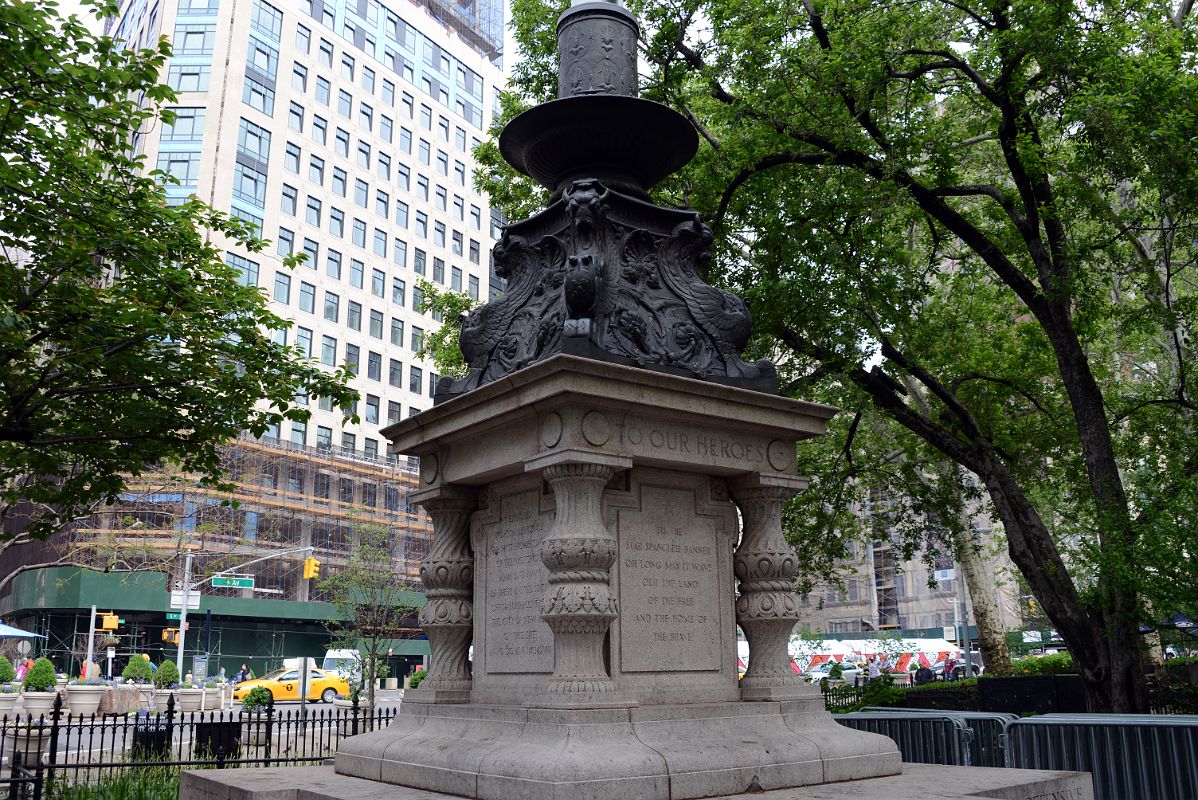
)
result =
(255, 708)
(835, 674)
(139, 673)
(85, 694)
(213, 694)
(8, 691)
(165, 680)
(39, 688)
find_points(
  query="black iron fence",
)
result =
(84, 748)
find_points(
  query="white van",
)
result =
(341, 662)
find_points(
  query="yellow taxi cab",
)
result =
(284, 684)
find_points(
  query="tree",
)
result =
(126, 340)
(974, 225)
(374, 608)
(441, 345)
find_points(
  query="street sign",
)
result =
(233, 582)
(193, 600)
(950, 633)
(945, 575)
(171, 615)
(111, 653)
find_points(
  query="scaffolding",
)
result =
(284, 496)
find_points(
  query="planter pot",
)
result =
(162, 698)
(31, 743)
(8, 703)
(188, 699)
(86, 699)
(255, 728)
(212, 699)
(38, 703)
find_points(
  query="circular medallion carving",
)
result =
(551, 430)
(780, 455)
(595, 428)
(429, 467)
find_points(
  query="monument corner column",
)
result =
(448, 576)
(767, 608)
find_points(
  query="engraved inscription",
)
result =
(669, 585)
(517, 640)
(697, 444)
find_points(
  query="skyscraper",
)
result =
(344, 131)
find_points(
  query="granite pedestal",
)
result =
(600, 532)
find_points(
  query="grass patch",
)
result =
(149, 783)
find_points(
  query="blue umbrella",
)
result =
(9, 632)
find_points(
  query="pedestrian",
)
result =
(950, 667)
(875, 670)
(242, 675)
(924, 675)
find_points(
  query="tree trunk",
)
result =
(983, 592)
(1104, 646)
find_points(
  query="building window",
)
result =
(398, 291)
(395, 373)
(303, 340)
(357, 271)
(328, 351)
(282, 288)
(361, 192)
(286, 244)
(360, 232)
(324, 441)
(312, 251)
(322, 90)
(320, 128)
(332, 264)
(291, 157)
(303, 38)
(345, 104)
(378, 283)
(394, 412)
(341, 145)
(295, 117)
(188, 125)
(399, 252)
(417, 339)
(332, 306)
(189, 77)
(185, 168)
(374, 367)
(397, 333)
(316, 170)
(252, 140)
(353, 316)
(455, 280)
(472, 283)
(372, 409)
(401, 213)
(415, 380)
(248, 270)
(352, 355)
(336, 221)
(267, 19)
(194, 40)
(248, 184)
(307, 297)
(313, 213)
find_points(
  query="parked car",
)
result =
(284, 684)
(816, 674)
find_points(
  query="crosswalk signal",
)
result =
(311, 568)
(170, 635)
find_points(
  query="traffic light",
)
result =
(170, 635)
(311, 568)
(108, 622)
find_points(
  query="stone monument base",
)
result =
(923, 781)
(659, 752)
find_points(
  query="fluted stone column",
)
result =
(448, 575)
(767, 608)
(579, 605)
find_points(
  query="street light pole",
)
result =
(183, 614)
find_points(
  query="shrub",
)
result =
(1055, 664)
(138, 670)
(167, 675)
(417, 677)
(41, 676)
(8, 673)
(257, 699)
(836, 671)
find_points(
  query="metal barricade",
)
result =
(931, 738)
(986, 748)
(1131, 756)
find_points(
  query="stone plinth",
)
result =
(599, 533)
(922, 781)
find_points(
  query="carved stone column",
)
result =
(767, 608)
(579, 551)
(448, 575)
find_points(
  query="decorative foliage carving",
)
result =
(607, 276)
